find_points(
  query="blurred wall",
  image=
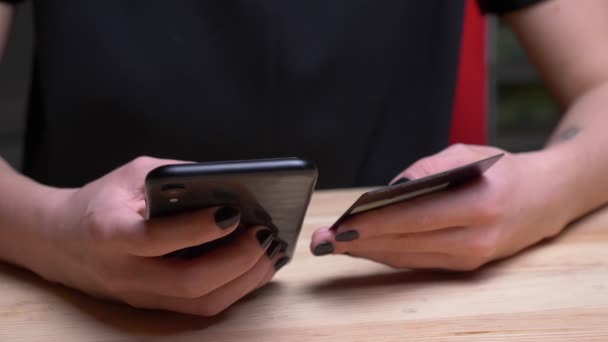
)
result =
(525, 113)
(15, 71)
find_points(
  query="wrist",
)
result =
(27, 215)
(557, 174)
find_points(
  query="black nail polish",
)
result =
(323, 248)
(401, 180)
(282, 262)
(348, 235)
(226, 217)
(264, 237)
(283, 244)
(274, 249)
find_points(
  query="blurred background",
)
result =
(522, 113)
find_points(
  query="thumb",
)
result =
(132, 175)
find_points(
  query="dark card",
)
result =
(405, 191)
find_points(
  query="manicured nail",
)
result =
(282, 262)
(264, 237)
(275, 247)
(323, 248)
(401, 180)
(284, 245)
(226, 217)
(348, 235)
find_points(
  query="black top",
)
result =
(363, 88)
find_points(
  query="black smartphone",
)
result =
(271, 192)
(401, 192)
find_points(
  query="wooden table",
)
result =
(555, 291)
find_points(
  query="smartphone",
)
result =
(400, 192)
(271, 192)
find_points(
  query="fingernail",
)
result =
(264, 237)
(348, 235)
(401, 180)
(323, 248)
(282, 245)
(275, 247)
(282, 262)
(226, 217)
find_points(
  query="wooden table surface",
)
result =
(555, 291)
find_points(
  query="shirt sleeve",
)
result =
(504, 6)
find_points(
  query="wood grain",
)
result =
(555, 291)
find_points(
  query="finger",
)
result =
(463, 206)
(454, 241)
(322, 242)
(278, 262)
(413, 260)
(162, 235)
(224, 297)
(454, 156)
(131, 176)
(202, 275)
(214, 302)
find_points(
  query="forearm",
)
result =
(576, 156)
(25, 211)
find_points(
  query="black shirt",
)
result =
(363, 88)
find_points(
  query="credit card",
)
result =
(401, 192)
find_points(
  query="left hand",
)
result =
(514, 205)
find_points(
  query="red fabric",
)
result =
(469, 122)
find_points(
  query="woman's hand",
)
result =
(96, 240)
(514, 205)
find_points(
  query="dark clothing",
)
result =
(362, 88)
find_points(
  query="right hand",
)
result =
(99, 242)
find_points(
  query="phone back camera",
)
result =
(173, 191)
